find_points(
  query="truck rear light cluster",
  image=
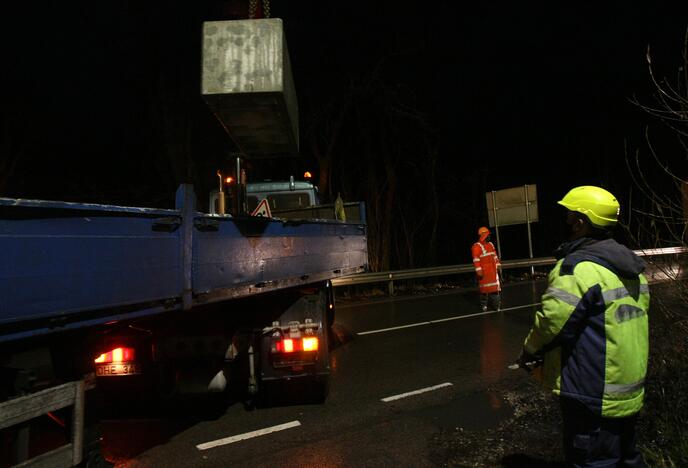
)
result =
(294, 345)
(116, 355)
(310, 343)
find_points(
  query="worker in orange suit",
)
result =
(486, 263)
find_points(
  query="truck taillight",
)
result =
(285, 346)
(310, 343)
(116, 355)
(290, 345)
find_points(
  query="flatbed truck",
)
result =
(176, 301)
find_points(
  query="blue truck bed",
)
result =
(69, 265)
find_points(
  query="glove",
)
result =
(525, 357)
(527, 361)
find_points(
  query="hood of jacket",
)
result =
(607, 253)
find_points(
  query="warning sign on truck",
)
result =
(263, 209)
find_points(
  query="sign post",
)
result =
(496, 222)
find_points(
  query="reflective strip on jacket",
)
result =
(594, 335)
(485, 261)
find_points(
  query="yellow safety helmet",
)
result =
(483, 232)
(600, 206)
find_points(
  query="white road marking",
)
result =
(430, 322)
(415, 392)
(247, 435)
(393, 328)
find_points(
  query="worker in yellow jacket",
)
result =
(592, 332)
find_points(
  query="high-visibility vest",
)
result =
(485, 261)
(593, 331)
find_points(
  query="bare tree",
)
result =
(659, 217)
(662, 213)
(372, 143)
(323, 135)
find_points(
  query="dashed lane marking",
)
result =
(247, 435)
(415, 392)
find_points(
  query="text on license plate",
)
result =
(105, 370)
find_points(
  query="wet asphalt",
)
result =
(446, 347)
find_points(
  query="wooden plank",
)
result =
(78, 423)
(31, 406)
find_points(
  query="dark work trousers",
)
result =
(593, 441)
(491, 300)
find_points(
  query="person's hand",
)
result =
(527, 361)
(525, 357)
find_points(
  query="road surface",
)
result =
(402, 370)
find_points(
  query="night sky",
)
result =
(101, 101)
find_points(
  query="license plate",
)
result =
(109, 370)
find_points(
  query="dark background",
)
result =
(428, 105)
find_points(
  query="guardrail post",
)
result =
(390, 285)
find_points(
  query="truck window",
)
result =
(287, 201)
(281, 201)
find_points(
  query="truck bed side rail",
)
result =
(71, 265)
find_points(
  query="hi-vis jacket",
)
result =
(593, 327)
(485, 261)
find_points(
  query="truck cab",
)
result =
(284, 195)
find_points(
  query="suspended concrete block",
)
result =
(247, 83)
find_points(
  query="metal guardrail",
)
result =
(22, 409)
(396, 275)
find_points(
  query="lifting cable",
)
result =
(253, 8)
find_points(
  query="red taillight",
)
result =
(289, 345)
(116, 355)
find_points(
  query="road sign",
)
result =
(516, 205)
(263, 209)
(508, 206)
